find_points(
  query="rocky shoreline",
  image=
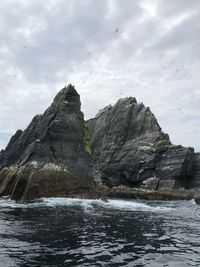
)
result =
(123, 192)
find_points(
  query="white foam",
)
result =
(128, 205)
(86, 204)
(6, 202)
(193, 201)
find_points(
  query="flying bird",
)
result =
(179, 109)
(116, 30)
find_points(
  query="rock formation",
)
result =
(195, 181)
(59, 154)
(129, 148)
(51, 156)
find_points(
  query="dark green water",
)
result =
(66, 232)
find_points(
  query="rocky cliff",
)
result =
(59, 154)
(129, 148)
(195, 181)
(50, 157)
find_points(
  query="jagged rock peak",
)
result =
(69, 97)
(51, 157)
(129, 147)
(47, 130)
(103, 110)
(128, 100)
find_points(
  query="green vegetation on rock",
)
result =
(86, 140)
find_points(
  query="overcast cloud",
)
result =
(108, 49)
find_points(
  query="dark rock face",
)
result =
(53, 143)
(129, 148)
(61, 155)
(195, 181)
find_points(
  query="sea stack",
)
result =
(51, 157)
(129, 148)
(61, 155)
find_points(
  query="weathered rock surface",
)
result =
(61, 155)
(195, 181)
(129, 148)
(42, 160)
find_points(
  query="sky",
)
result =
(108, 49)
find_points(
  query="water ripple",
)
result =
(75, 232)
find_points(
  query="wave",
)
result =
(121, 205)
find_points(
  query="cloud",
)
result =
(108, 49)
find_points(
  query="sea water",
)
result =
(75, 232)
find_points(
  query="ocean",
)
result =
(75, 232)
